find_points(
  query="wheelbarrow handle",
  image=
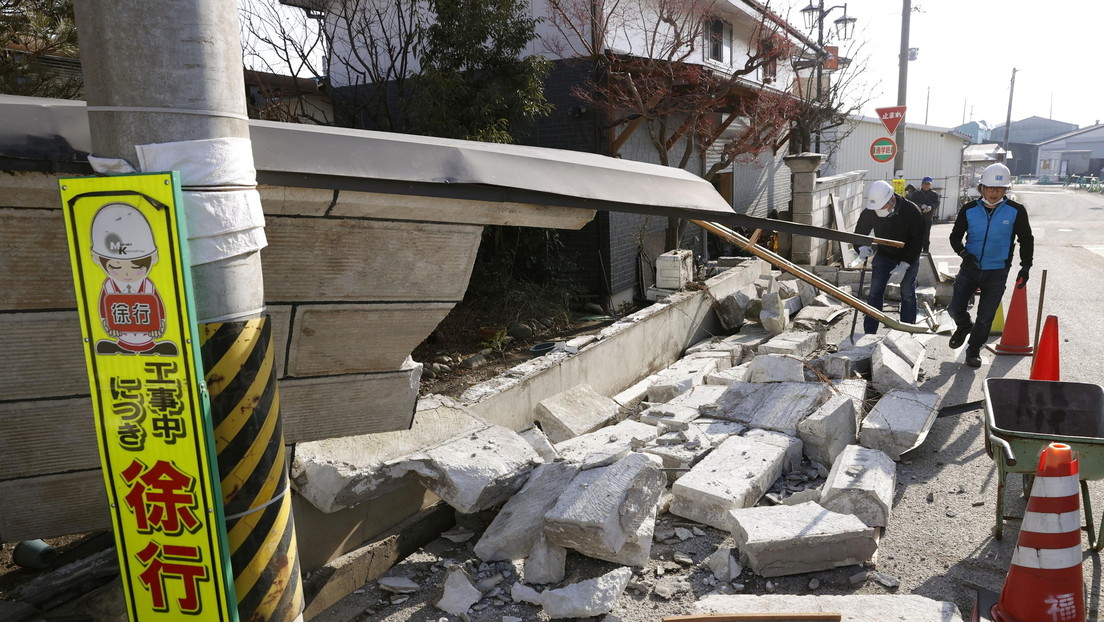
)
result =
(1009, 457)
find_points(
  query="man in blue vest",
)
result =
(991, 224)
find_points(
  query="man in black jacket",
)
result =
(991, 224)
(892, 217)
(927, 200)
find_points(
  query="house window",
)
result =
(718, 43)
(769, 69)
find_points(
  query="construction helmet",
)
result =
(878, 194)
(120, 231)
(996, 176)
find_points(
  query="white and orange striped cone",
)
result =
(1045, 582)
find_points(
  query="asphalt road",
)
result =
(940, 541)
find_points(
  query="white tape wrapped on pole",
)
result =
(221, 202)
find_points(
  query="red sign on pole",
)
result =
(891, 117)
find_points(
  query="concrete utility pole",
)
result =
(1008, 119)
(902, 87)
(158, 71)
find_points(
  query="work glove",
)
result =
(898, 273)
(1021, 278)
(864, 252)
(968, 260)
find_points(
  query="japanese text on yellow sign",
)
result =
(132, 279)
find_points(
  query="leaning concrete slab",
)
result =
(603, 508)
(905, 346)
(637, 550)
(679, 378)
(681, 449)
(777, 406)
(776, 368)
(829, 429)
(734, 475)
(861, 483)
(793, 539)
(515, 529)
(575, 411)
(449, 472)
(797, 343)
(852, 607)
(899, 422)
(889, 371)
(619, 438)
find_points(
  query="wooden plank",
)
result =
(348, 260)
(29, 238)
(43, 356)
(318, 408)
(344, 339)
(54, 505)
(459, 211)
(31, 189)
(47, 436)
(326, 586)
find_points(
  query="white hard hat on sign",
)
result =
(996, 176)
(120, 231)
(878, 194)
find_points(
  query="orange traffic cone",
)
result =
(1015, 339)
(1046, 365)
(1045, 580)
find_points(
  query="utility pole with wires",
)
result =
(1008, 119)
(902, 86)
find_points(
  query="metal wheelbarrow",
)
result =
(1024, 416)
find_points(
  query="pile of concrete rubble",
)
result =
(764, 434)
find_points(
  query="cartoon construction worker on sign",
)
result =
(131, 310)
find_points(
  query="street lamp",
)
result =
(814, 15)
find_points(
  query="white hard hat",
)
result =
(996, 176)
(878, 194)
(120, 231)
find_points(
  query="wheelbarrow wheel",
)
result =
(1028, 480)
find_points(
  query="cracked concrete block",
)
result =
(793, 304)
(679, 378)
(698, 396)
(603, 508)
(732, 310)
(734, 475)
(777, 406)
(791, 445)
(749, 338)
(722, 358)
(575, 411)
(861, 483)
(774, 316)
(673, 417)
(889, 371)
(905, 346)
(798, 343)
(731, 400)
(540, 443)
(792, 539)
(679, 450)
(515, 529)
(853, 607)
(899, 422)
(637, 550)
(633, 395)
(776, 368)
(621, 437)
(585, 599)
(829, 429)
(854, 388)
(739, 373)
(449, 471)
(546, 562)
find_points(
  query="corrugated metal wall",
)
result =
(929, 151)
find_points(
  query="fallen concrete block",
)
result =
(793, 539)
(698, 396)
(899, 422)
(679, 378)
(723, 359)
(734, 475)
(829, 429)
(852, 607)
(540, 443)
(777, 406)
(888, 371)
(459, 594)
(790, 445)
(766, 283)
(633, 395)
(749, 338)
(603, 508)
(859, 341)
(788, 286)
(575, 411)
(732, 310)
(515, 529)
(861, 483)
(797, 343)
(724, 565)
(822, 313)
(546, 563)
(588, 598)
(681, 449)
(774, 316)
(856, 389)
(622, 437)
(905, 346)
(636, 551)
(468, 485)
(776, 368)
(739, 373)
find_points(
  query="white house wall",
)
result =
(929, 152)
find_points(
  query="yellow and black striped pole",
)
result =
(245, 409)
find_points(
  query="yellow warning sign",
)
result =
(127, 247)
(899, 186)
